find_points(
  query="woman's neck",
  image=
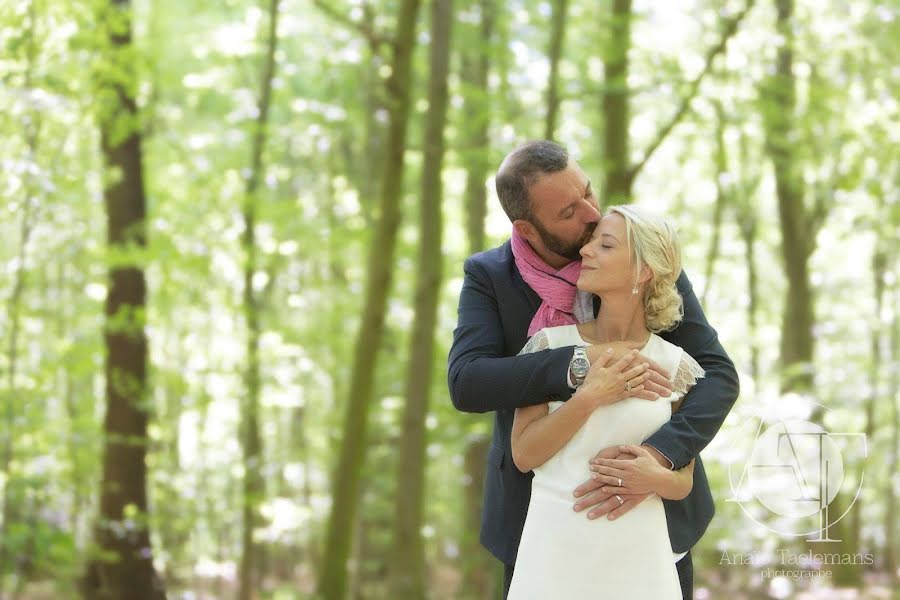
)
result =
(621, 318)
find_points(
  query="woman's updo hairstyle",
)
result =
(653, 242)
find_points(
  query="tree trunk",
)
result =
(619, 171)
(554, 53)
(125, 567)
(250, 575)
(407, 571)
(475, 124)
(347, 475)
(890, 513)
(748, 225)
(748, 230)
(479, 568)
(879, 268)
(796, 241)
(721, 200)
(12, 489)
(617, 186)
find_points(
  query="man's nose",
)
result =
(591, 214)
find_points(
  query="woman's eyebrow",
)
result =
(609, 235)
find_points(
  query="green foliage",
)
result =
(198, 69)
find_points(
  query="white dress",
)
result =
(563, 554)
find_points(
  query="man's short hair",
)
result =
(521, 169)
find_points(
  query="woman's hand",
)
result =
(609, 384)
(640, 475)
(658, 378)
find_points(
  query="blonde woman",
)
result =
(632, 263)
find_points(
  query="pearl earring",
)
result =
(634, 291)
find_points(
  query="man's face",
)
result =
(565, 213)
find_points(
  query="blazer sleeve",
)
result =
(706, 405)
(481, 375)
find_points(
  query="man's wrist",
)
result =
(661, 458)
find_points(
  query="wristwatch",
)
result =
(579, 366)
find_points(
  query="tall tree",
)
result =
(554, 54)
(476, 116)
(12, 500)
(617, 186)
(123, 568)
(797, 226)
(879, 271)
(251, 441)
(722, 199)
(893, 396)
(408, 553)
(747, 182)
(347, 475)
(619, 173)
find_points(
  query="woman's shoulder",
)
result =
(563, 335)
(667, 354)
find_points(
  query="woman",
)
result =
(631, 263)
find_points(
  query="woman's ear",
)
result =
(646, 274)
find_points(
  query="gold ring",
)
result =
(620, 482)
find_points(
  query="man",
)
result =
(551, 204)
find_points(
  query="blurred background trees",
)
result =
(233, 239)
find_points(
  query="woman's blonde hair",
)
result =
(653, 242)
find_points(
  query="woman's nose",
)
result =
(585, 250)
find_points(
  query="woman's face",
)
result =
(606, 263)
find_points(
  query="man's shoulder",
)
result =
(494, 261)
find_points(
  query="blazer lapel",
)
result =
(533, 299)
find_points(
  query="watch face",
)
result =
(580, 367)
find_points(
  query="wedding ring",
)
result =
(620, 482)
(619, 498)
(628, 386)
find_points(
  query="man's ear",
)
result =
(526, 230)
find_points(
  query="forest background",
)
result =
(232, 245)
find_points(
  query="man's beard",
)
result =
(559, 246)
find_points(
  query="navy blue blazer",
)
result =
(485, 375)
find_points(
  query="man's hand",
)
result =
(637, 473)
(591, 495)
(657, 381)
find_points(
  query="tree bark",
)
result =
(124, 569)
(748, 225)
(408, 571)
(476, 116)
(890, 513)
(721, 200)
(616, 105)
(879, 268)
(250, 574)
(12, 402)
(479, 568)
(796, 242)
(554, 53)
(748, 229)
(347, 475)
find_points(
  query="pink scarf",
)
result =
(556, 288)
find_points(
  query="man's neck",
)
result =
(554, 260)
